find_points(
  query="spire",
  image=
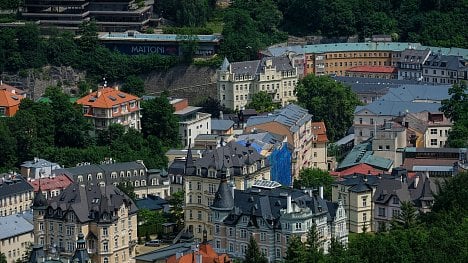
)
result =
(40, 200)
(189, 158)
(223, 198)
(225, 65)
(189, 164)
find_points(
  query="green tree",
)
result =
(71, 127)
(176, 203)
(128, 189)
(262, 102)
(158, 119)
(253, 254)
(314, 245)
(407, 218)
(88, 41)
(8, 158)
(134, 85)
(456, 108)
(192, 13)
(296, 251)
(151, 221)
(314, 178)
(3, 258)
(330, 101)
(336, 252)
(114, 132)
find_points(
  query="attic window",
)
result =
(15, 97)
(92, 99)
(121, 95)
(112, 98)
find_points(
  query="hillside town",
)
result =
(309, 147)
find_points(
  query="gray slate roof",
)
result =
(254, 67)
(414, 56)
(221, 125)
(267, 204)
(372, 85)
(408, 98)
(13, 184)
(359, 182)
(14, 225)
(454, 63)
(291, 116)
(89, 203)
(233, 156)
(105, 169)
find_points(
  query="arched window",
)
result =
(106, 260)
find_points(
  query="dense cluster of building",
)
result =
(236, 172)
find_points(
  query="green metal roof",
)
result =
(362, 153)
(363, 46)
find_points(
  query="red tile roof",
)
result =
(10, 100)
(319, 129)
(373, 69)
(106, 98)
(208, 256)
(360, 168)
(51, 183)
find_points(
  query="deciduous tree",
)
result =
(158, 119)
(262, 102)
(314, 178)
(328, 101)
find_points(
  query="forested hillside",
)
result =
(431, 22)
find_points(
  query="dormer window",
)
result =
(212, 174)
(198, 171)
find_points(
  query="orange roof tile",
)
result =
(208, 256)
(373, 69)
(360, 169)
(9, 99)
(106, 98)
(319, 129)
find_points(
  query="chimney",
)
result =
(116, 87)
(321, 192)
(98, 94)
(416, 181)
(221, 115)
(13, 91)
(289, 204)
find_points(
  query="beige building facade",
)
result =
(243, 164)
(355, 192)
(16, 194)
(16, 235)
(104, 215)
(237, 82)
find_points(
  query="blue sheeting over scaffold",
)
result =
(280, 163)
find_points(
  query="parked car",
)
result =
(153, 243)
